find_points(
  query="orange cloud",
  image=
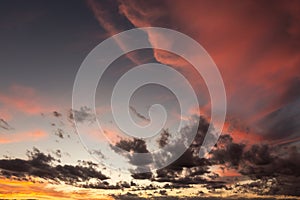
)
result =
(35, 189)
(23, 99)
(23, 137)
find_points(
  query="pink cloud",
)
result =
(23, 99)
(104, 18)
(29, 136)
(255, 44)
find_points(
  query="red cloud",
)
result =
(255, 44)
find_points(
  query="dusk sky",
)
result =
(256, 48)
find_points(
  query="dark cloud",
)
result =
(188, 168)
(135, 151)
(292, 92)
(287, 185)
(59, 132)
(58, 153)
(146, 175)
(5, 125)
(163, 192)
(130, 196)
(282, 123)
(42, 166)
(164, 138)
(259, 162)
(139, 115)
(101, 185)
(227, 152)
(274, 169)
(56, 114)
(135, 145)
(259, 155)
(85, 114)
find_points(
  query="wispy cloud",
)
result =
(24, 99)
(5, 125)
(27, 136)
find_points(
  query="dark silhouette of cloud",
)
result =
(135, 146)
(274, 169)
(139, 115)
(164, 138)
(282, 123)
(4, 125)
(56, 114)
(227, 152)
(292, 92)
(42, 166)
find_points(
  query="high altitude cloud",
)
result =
(255, 45)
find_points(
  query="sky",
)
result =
(254, 44)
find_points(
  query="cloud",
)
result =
(262, 163)
(29, 136)
(256, 47)
(56, 114)
(139, 115)
(24, 99)
(187, 169)
(4, 125)
(85, 114)
(261, 47)
(267, 48)
(108, 19)
(136, 150)
(61, 133)
(41, 165)
(228, 152)
(164, 138)
(292, 92)
(281, 123)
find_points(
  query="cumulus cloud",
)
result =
(187, 169)
(43, 166)
(262, 163)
